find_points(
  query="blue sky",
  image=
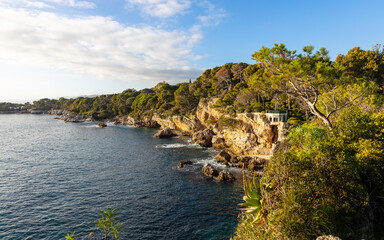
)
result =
(53, 48)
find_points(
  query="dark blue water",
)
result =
(55, 177)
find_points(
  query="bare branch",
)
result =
(346, 104)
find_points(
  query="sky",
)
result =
(69, 48)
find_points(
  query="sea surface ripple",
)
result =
(55, 177)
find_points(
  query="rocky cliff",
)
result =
(245, 134)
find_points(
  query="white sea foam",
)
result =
(193, 145)
(211, 161)
(173, 145)
(89, 125)
(179, 145)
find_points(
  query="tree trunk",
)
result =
(318, 114)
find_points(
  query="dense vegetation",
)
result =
(236, 86)
(6, 106)
(327, 178)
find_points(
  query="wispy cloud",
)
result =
(38, 4)
(96, 45)
(47, 3)
(213, 15)
(161, 8)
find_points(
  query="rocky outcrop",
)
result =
(102, 125)
(207, 114)
(182, 163)
(256, 163)
(218, 143)
(252, 163)
(165, 133)
(225, 176)
(209, 170)
(203, 138)
(223, 157)
(243, 134)
(182, 124)
(69, 116)
(147, 122)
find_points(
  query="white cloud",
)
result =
(37, 4)
(214, 15)
(96, 45)
(47, 3)
(161, 8)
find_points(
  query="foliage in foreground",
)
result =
(324, 182)
(108, 223)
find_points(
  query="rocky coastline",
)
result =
(246, 140)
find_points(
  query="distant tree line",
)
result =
(6, 106)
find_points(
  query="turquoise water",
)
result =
(55, 177)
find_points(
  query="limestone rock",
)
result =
(182, 163)
(184, 125)
(218, 143)
(245, 134)
(256, 163)
(165, 133)
(203, 138)
(223, 156)
(226, 176)
(209, 170)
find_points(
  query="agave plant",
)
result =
(253, 198)
(70, 236)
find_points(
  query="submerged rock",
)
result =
(165, 133)
(203, 138)
(182, 163)
(226, 176)
(102, 125)
(209, 170)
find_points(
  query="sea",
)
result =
(56, 177)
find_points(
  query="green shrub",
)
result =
(324, 182)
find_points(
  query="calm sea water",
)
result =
(55, 177)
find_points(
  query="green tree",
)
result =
(302, 76)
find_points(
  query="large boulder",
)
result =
(226, 176)
(165, 133)
(209, 170)
(256, 163)
(203, 138)
(150, 123)
(223, 156)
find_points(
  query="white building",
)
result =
(277, 116)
